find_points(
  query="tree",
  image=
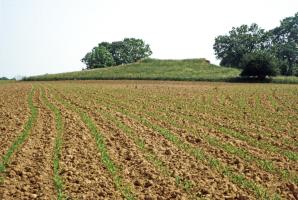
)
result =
(117, 53)
(99, 57)
(129, 50)
(259, 64)
(240, 41)
(136, 49)
(281, 42)
(285, 43)
(88, 60)
(3, 78)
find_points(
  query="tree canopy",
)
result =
(106, 54)
(241, 40)
(98, 57)
(281, 42)
(285, 40)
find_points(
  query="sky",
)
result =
(52, 36)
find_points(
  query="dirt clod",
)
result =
(137, 183)
(168, 152)
(148, 184)
(242, 197)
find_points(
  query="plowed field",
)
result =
(148, 140)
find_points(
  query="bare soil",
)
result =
(265, 113)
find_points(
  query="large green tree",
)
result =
(136, 49)
(98, 57)
(281, 42)
(285, 43)
(117, 53)
(242, 40)
(129, 50)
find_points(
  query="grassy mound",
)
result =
(151, 69)
(154, 69)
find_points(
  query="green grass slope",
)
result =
(154, 69)
(151, 69)
(6, 81)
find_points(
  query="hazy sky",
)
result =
(50, 36)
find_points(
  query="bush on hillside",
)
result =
(258, 64)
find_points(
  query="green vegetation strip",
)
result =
(151, 69)
(154, 69)
(100, 142)
(57, 147)
(22, 137)
(214, 163)
(6, 81)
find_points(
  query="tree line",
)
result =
(259, 52)
(107, 54)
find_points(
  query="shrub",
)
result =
(258, 64)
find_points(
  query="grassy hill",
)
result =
(6, 81)
(154, 69)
